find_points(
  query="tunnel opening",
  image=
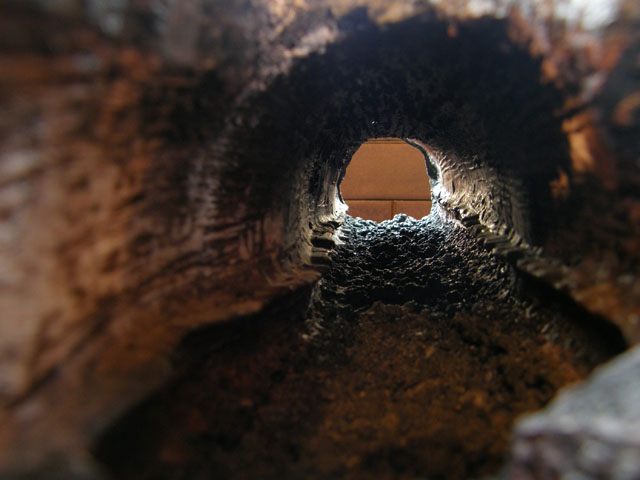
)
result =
(386, 177)
(413, 80)
(336, 346)
(422, 342)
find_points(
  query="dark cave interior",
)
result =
(195, 302)
(418, 348)
(411, 358)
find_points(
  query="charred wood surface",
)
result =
(165, 166)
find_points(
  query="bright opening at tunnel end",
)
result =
(385, 177)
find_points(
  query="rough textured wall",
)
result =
(168, 165)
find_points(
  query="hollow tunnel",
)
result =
(184, 295)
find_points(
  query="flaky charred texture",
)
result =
(425, 383)
(166, 166)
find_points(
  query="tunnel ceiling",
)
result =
(472, 96)
(171, 165)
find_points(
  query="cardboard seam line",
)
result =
(387, 199)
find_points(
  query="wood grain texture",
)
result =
(167, 168)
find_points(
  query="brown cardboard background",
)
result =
(377, 210)
(386, 177)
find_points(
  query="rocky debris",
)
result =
(436, 264)
(417, 351)
(429, 261)
(590, 431)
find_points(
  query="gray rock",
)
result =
(590, 431)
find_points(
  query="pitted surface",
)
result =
(417, 352)
(427, 262)
(171, 165)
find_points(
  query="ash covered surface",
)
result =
(427, 262)
(412, 358)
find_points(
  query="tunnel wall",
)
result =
(155, 178)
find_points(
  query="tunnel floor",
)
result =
(411, 358)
